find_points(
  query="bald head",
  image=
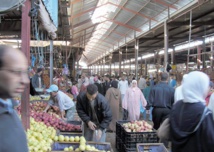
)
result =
(13, 72)
(8, 52)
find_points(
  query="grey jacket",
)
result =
(12, 134)
(35, 81)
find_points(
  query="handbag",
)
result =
(164, 130)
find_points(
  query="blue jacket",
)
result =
(12, 133)
(162, 96)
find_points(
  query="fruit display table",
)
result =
(128, 134)
(152, 147)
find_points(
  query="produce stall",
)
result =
(128, 134)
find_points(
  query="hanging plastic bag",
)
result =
(142, 109)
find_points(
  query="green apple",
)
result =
(82, 147)
(61, 138)
(82, 138)
(93, 148)
(77, 139)
(71, 148)
(72, 139)
(56, 138)
(67, 138)
(88, 147)
(66, 149)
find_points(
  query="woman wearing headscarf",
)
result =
(178, 91)
(191, 123)
(211, 104)
(131, 101)
(113, 96)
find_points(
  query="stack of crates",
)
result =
(127, 141)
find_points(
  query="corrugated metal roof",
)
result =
(130, 16)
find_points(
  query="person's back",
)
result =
(162, 95)
(142, 84)
(183, 120)
(161, 98)
(123, 86)
(146, 92)
(65, 100)
(191, 124)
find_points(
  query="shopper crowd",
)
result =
(185, 111)
(158, 99)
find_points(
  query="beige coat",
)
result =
(114, 98)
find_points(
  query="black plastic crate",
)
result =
(121, 147)
(118, 130)
(119, 143)
(152, 147)
(131, 138)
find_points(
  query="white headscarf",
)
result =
(132, 87)
(195, 87)
(134, 81)
(211, 104)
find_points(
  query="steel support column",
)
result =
(110, 57)
(145, 67)
(136, 58)
(174, 59)
(211, 56)
(190, 33)
(141, 66)
(204, 55)
(165, 45)
(120, 58)
(198, 57)
(25, 47)
(51, 62)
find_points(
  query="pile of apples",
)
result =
(53, 121)
(137, 126)
(50, 118)
(82, 147)
(38, 106)
(62, 138)
(32, 98)
(40, 137)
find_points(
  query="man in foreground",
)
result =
(13, 78)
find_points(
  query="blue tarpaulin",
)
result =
(52, 8)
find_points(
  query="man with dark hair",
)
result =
(13, 79)
(37, 80)
(95, 112)
(107, 83)
(161, 98)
